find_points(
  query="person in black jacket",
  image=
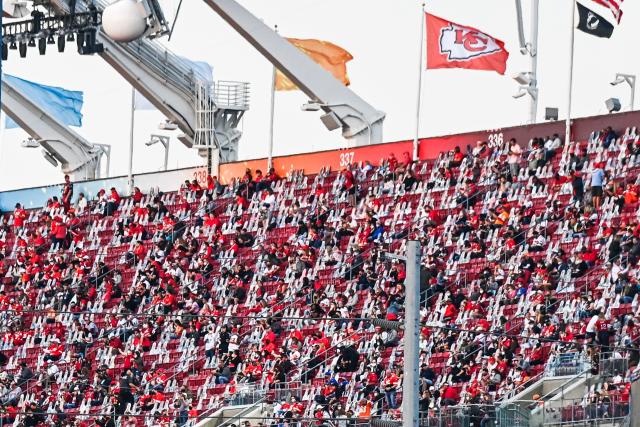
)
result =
(348, 359)
(34, 415)
(578, 186)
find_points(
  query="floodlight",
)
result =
(49, 158)
(524, 78)
(167, 125)
(30, 143)
(311, 106)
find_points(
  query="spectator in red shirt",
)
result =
(137, 195)
(393, 162)
(458, 157)
(19, 217)
(54, 351)
(59, 232)
(450, 395)
(391, 383)
(350, 185)
(67, 193)
(113, 201)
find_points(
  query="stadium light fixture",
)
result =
(42, 46)
(164, 140)
(330, 120)
(311, 106)
(524, 78)
(30, 143)
(61, 43)
(167, 125)
(526, 90)
(528, 85)
(629, 79)
(49, 158)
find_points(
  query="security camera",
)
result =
(617, 81)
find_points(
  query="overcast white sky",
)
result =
(382, 35)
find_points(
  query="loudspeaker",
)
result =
(613, 105)
(551, 113)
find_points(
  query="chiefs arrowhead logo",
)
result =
(460, 43)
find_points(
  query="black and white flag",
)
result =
(594, 24)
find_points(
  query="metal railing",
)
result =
(590, 411)
(512, 415)
(231, 95)
(564, 364)
(246, 395)
(475, 415)
(610, 365)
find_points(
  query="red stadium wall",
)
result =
(428, 147)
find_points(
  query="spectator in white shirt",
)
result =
(81, 204)
(551, 146)
(514, 157)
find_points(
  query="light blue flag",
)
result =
(62, 104)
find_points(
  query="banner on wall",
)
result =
(429, 148)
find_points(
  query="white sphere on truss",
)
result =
(123, 21)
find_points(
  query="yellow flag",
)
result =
(329, 56)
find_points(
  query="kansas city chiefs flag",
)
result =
(451, 45)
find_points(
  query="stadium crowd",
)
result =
(159, 309)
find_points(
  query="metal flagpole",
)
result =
(535, 7)
(273, 105)
(133, 110)
(567, 131)
(411, 377)
(419, 91)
